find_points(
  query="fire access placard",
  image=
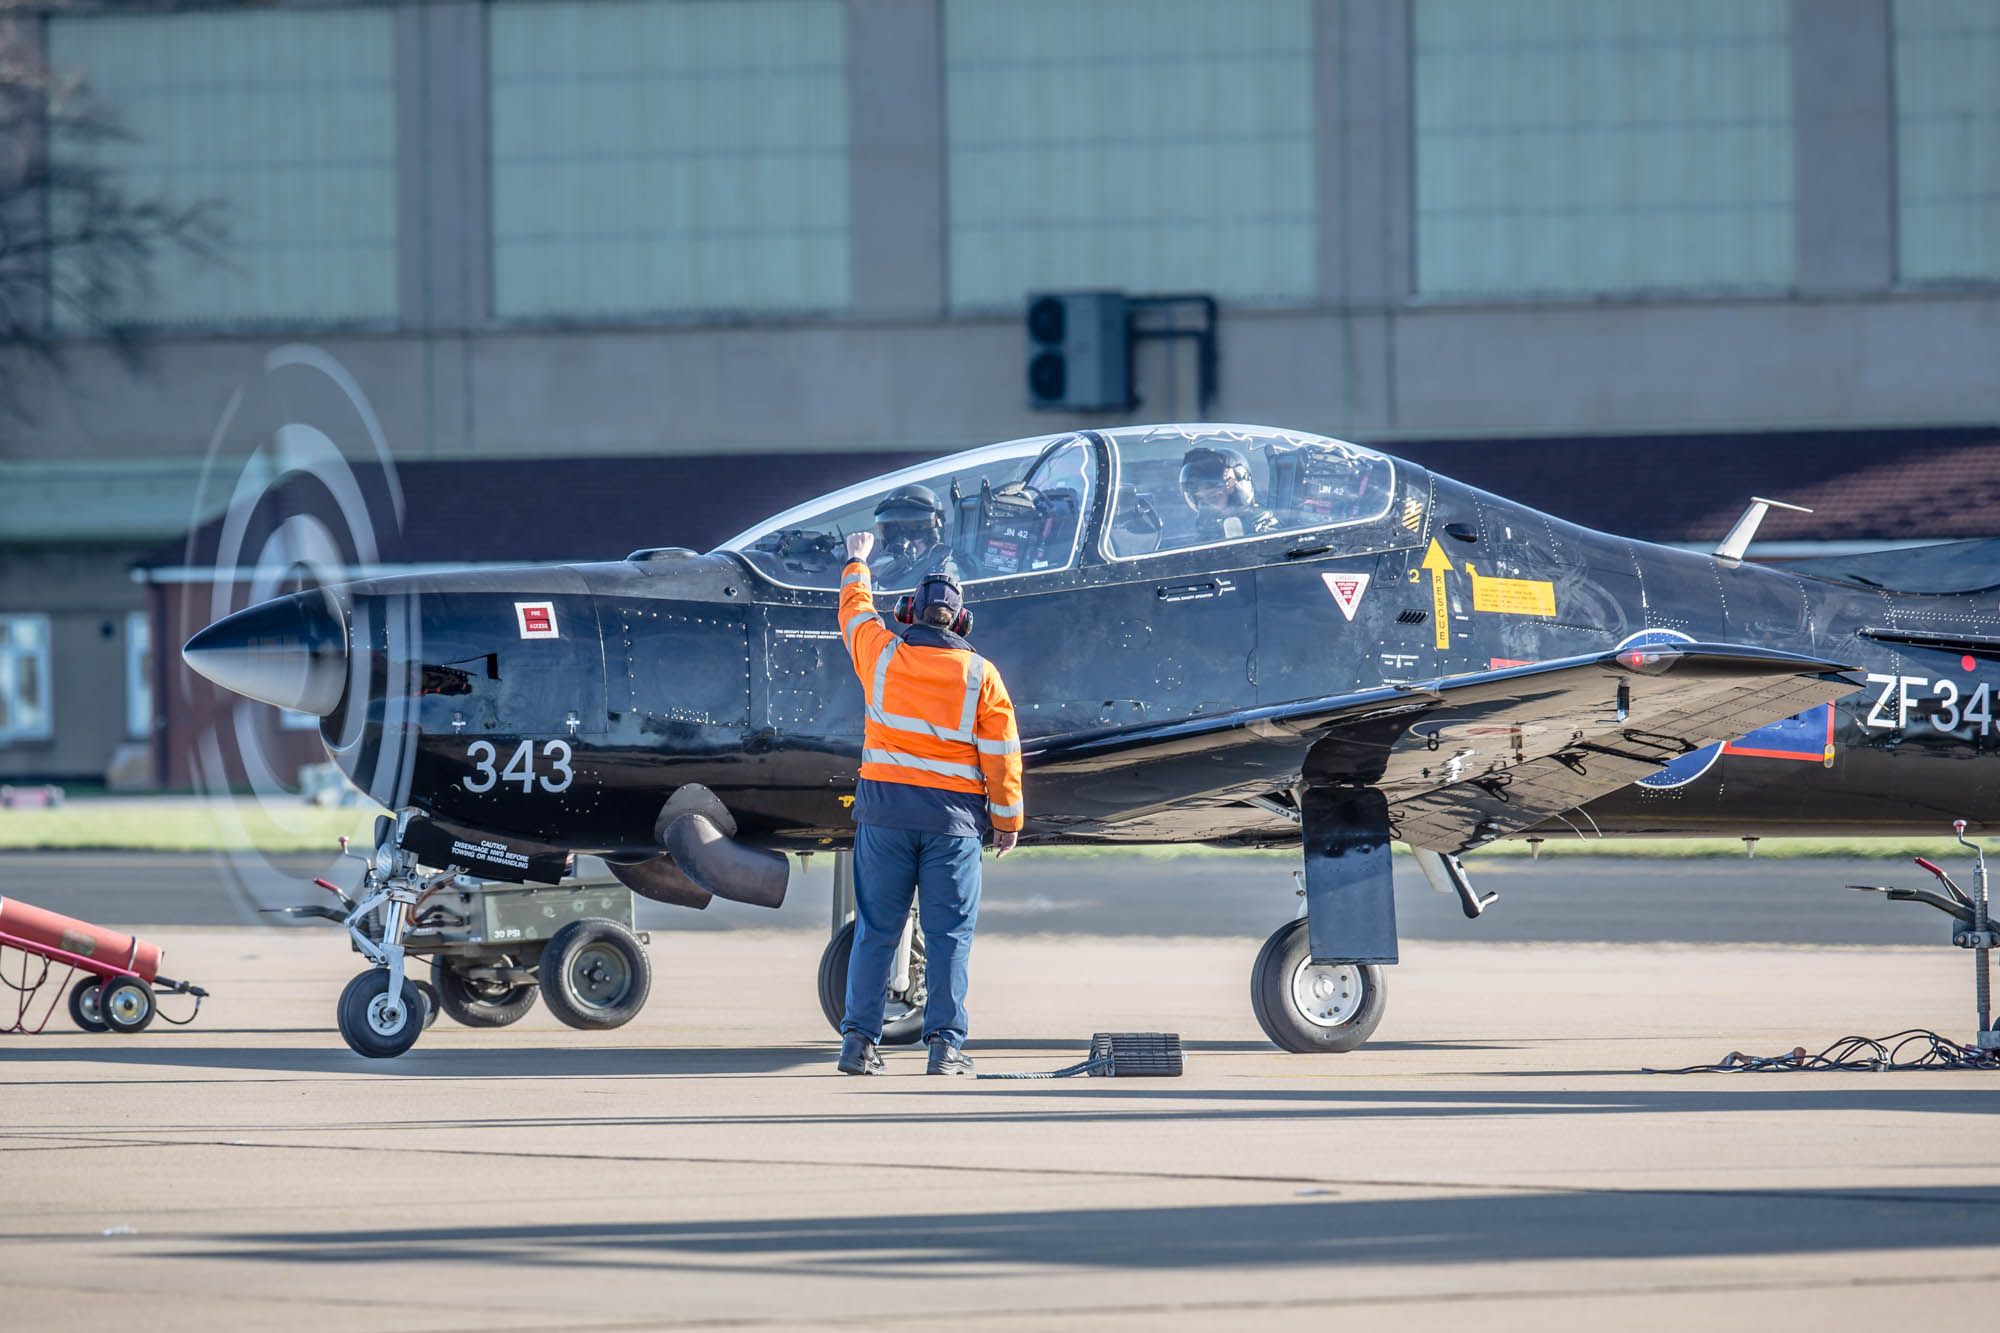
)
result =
(537, 620)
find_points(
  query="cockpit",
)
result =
(1044, 504)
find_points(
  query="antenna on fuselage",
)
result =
(1738, 541)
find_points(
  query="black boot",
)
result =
(857, 1055)
(948, 1059)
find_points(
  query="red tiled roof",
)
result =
(1861, 485)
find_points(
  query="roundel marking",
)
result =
(1682, 769)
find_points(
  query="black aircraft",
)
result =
(1220, 634)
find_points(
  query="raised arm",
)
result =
(860, 628)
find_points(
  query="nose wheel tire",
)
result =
(125, 1004)
(595, 974)
(83, 1004)
(902, 1015)
(477, 1003)
(1306, 1007)
(371, 1024)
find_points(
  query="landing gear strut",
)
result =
(382, 1012)
(1317, 984)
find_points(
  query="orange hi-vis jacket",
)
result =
(937, 717)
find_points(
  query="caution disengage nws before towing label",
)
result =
(492, 853)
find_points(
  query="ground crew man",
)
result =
(940, 766)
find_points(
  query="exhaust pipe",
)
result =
(662, 881)
(699, 834)
(725, 867)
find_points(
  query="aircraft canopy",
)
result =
(1039, 504)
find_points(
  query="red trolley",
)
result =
(121, 973)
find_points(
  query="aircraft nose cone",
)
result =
(290, 652)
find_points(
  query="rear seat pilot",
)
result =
(1216, 484)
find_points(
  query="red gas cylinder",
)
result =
(53, 930)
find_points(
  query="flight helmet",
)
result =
(909, 520)
(1216, 479)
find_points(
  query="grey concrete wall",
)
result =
(895, 373)
(1588, 368)
(443, 261)
(896, 131)
(1361, 92)
(1844, 109)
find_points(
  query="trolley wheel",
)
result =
(367, 1023)
(902, 1015)
(479, 1004)
(1306, 1008)
(125, 1004)
(83, 1004)
(595, 974)
(432, 1003)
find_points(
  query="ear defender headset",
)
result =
(906, 605)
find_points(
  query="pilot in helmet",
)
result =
(1216, 484)
(909, 531)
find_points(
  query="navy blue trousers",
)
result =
(943, 873)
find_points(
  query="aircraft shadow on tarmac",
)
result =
(1086, 1101)
(1638, 1224)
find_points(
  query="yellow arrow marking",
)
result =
(1439, 565)
(1515, 597)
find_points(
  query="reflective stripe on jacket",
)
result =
(937, 717)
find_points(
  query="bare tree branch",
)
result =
(78, 250)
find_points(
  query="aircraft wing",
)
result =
(1462, 760)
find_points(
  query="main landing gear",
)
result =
(903, 1011)
(1317, 984)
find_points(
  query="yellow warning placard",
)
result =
(1514, 597)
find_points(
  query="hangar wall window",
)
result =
(1592, 146)
(24, 679)
(286, 119)
(139, 675)
(1947, 140)
(660, 157)
(1151, 145)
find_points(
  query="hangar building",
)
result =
(1626, 259)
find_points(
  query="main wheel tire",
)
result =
(83, 1009)
(125, 1004)
(1306, 1008)
(432, 1003)
(479, 1004)
(595, 974)
(365, 1025)
(902, 1020)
